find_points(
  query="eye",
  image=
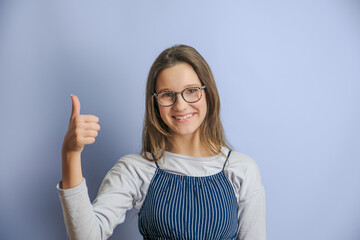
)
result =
(191, 90)
(166, 95)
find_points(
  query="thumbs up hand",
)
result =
(83, 129)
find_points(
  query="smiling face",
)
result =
(182, 118)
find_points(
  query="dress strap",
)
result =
(157, 165)
(226, 160)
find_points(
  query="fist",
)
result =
(83, 129)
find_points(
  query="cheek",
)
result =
(202, 106)
(163, 113)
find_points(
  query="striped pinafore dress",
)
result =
(189, 207)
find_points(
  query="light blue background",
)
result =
(288, 75)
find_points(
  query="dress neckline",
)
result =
(224, 152)
(158, 169)
(175, 175)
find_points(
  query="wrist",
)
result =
(71, 169)
(70, 154)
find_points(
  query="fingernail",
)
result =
(71, 94)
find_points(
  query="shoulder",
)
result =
(243, 171)
(241, 159)
(242, 162)
(133, 161)
(134, 166)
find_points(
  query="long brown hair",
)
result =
(156, 134)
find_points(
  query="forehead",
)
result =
(177, 77)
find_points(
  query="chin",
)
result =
(185, 132)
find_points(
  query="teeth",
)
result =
(184, 117)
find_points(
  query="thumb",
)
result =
(75, 106)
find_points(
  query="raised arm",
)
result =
(118, 192)
(82, 130)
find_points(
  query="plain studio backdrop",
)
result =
(287, 72)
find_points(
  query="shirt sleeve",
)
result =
(251, 215)
(85, 220)
(249, 190)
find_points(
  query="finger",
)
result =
(83, 141)
(75, 106)
(92, 126)
(90, 133)
(88, 140)
(89, 118)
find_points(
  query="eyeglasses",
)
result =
(190, 95)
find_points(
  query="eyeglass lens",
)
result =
(189, 95)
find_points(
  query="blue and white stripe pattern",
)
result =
(187, 207)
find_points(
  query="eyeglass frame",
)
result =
(182, 95)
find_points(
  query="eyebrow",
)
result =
(187, 86)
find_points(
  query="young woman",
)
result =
(186, 183)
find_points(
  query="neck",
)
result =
(189, 145)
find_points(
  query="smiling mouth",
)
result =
(183, 117)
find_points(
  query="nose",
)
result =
(180, 104)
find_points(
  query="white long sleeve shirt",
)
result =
(126, 184)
